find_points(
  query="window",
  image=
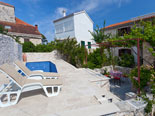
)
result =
(64, 27)
(89, 45)
(7, 27)
(83, 43)
(59, 28)
(68, 26)
(26, 40)
(123, 31)
(124, 51)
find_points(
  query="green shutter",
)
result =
(83, 43)
(89, 45)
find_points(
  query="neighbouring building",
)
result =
(17, 27)
(125, 28)
(76, 25)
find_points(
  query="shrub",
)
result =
(147, 80)
(28, 47)
(145, 76)
(98, 58)
(45, 48)
(2, 30)
(126, 60)
(95, 59)
(71, 51)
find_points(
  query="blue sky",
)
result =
(43, 12)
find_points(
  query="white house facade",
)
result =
(76, 25)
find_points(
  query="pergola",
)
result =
(109, 44)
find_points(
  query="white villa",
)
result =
(76, 25)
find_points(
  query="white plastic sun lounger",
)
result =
(35, 74)
(10, 93)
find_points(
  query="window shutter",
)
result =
(89, 45)
(83, 43)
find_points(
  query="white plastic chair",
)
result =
(10, 93)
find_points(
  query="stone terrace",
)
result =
(78, 94)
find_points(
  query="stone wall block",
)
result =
(9, 50)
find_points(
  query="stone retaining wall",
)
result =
(42, 56)
(9, 50)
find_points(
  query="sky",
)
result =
(43, 12)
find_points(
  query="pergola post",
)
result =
(138, 61)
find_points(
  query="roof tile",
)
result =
(18, 21)
(121, 23)
(21, 27)
(6, 4)
(128, 21)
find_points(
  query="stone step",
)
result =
(95, 110)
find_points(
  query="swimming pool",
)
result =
(45, 66)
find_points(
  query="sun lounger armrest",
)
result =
(38, 71)
(36, 76)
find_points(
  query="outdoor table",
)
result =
(116, 75)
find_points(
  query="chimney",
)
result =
(64, 13)
(36, 27)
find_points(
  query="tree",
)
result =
(99, 34)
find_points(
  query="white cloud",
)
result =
(88, 5)
(94, 5)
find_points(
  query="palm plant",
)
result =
(99, 34)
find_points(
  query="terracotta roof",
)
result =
(130, 21)
(6, 4)
(18, 21)
(21, 27)
(121, 23)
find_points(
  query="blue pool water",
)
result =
(46, 66)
